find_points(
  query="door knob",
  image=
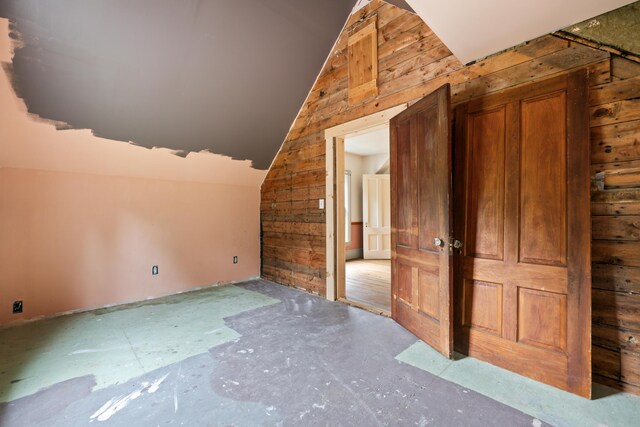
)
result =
(455, 244)
(438, 242)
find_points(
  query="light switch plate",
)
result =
(321, 204)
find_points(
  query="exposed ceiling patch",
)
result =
(227, 77)
(619, 29)
(475, 29)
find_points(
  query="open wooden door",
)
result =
(522, 206)
(376, 215)
(421, 287)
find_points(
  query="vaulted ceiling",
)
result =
(222, 76)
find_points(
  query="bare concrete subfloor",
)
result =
(285, 358)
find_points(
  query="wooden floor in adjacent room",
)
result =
(369, 281)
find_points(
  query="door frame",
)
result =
(335, 232)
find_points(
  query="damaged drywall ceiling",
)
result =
(224, 76)
(619, 29)
(474, 29)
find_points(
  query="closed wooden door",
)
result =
(376, 215)
(420, 198)
(523, 294)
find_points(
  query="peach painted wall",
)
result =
(83, 219)
(74, 241)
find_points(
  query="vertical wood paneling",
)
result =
(413, 62)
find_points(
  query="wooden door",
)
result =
(523, 294)
(420, 224)
(376, 215)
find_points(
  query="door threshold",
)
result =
(363, 305)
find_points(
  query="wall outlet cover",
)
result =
(17, 307)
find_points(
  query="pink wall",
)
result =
(73, 241)
(356, 236)
(83, 219)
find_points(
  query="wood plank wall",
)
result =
(615, 210)
(412, 63)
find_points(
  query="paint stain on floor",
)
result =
(284, 358)
(115, 345)
(546, 403)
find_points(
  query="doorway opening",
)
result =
(367, 207)
(358, 212)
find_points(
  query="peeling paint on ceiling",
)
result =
(221, 76)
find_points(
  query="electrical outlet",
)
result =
(154, 270)
(235, 259)
(17, 307)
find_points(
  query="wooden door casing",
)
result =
(421, 203)
(521, 182)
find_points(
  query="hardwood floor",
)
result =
(369, 282)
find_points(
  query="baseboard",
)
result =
(353, 254)
(85, 310)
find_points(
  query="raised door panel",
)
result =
(483, 306)
(372, 243)
(405, 185)
(372, 206)
(385, 208)
(542, 319)
(543, 193)
(485, 181)
(428, 218)
(429, 293)
(384, 184)
(404, 277)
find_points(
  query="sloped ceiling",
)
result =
(474, 29)
(224, 76)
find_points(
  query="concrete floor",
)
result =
(262, 354)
